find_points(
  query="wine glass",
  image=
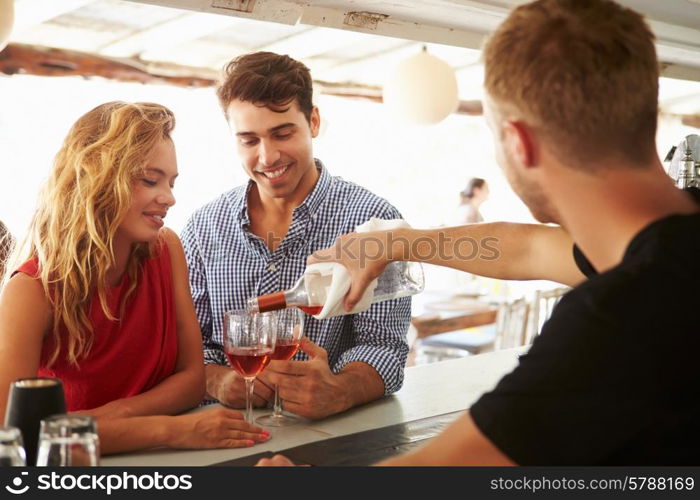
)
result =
(290, 330)
(11, 447)
(68, 440)
(249, 340)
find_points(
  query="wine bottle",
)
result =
(399, 279)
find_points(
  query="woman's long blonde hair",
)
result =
(80, 208)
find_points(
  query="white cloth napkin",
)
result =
(331, 280)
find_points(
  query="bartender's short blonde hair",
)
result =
(584, 74)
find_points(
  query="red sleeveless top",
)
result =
(130, 356)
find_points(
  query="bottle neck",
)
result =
(271, 302)
(295, 296)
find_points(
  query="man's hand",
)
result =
(226, 385)
(364, 255)
(308, 388)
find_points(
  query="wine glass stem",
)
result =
(277, 412)
(249, 399)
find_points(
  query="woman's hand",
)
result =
(221, 428)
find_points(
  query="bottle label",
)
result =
(272, 302)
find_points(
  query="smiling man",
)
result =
(254, 240)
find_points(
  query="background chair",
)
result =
(542, 307)
(509, 330)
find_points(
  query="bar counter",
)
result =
(428, 390)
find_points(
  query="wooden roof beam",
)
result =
(45, 61)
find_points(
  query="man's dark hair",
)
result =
(268, 80)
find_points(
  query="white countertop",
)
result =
(428, 390)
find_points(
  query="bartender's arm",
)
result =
(462, 443)
(500, 250)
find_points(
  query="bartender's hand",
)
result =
(365, 255)
(226, 385)
(276, 461)
(213, 429)
(308, 388)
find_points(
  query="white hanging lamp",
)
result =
(422, 89)
(7, 18)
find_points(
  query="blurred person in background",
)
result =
(471, 198)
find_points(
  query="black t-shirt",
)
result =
(584, 265)
(614, 376)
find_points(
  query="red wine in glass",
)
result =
(290, 331)
(285, 351)
(249, 361)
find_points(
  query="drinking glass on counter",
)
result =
(249, 341)
(68, 440)
(11, 447)
(290, 330)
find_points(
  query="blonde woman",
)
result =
(102, 299)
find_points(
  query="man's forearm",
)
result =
(500, 250)
(462, 443)
(475, 248)
(361, 384)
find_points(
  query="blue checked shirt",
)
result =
(228, 264)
